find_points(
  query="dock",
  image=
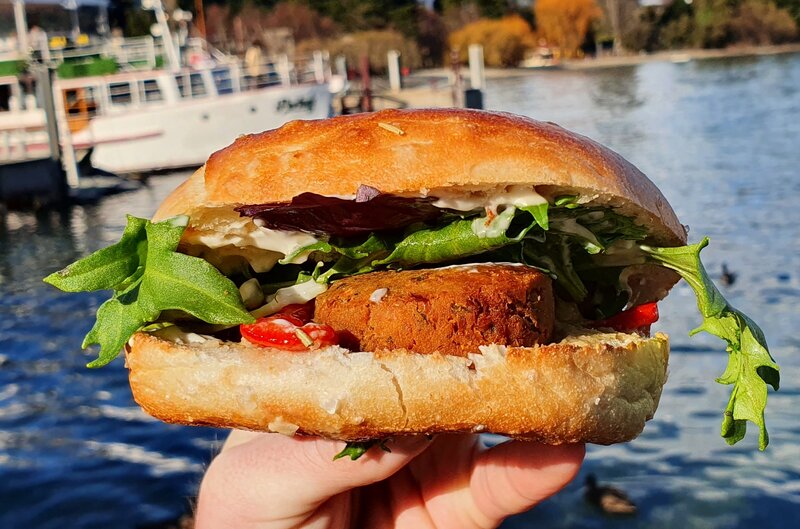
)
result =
(38, 166)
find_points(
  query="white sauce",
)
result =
(175, 334)
(301, 293)
(496, 227)
(378, 294)
(471, 266)
(237, 234)
(262, 247)
(513, 195)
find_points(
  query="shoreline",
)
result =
(678, 56)
(432, 87)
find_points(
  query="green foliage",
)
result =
(714, 24)
(677, 33)
(792, 7)
(711, 18)
(71, 69)
(431, 38)
(13, 67)
(361, 15)
(760, 22)
(374, 44)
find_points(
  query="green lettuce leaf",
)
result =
(158, 279)
(451, 242)
(750, 366)
(555, 256)
(176, 281)
(356, 449)
(107, 268)
(539, 213)
(116, 321)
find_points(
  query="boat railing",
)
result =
(129, 53)
(278, 70)
(21, 142)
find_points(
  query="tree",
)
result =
(504, 41)
(304, 22)
(762, 22)
(564, 23)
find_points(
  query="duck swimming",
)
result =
(608, 499)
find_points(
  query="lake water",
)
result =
(721, 138)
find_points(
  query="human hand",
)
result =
(270, 481)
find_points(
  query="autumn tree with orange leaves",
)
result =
(564, 23)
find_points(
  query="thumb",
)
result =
(514, 476)
(259, 478)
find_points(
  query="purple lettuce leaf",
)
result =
(370, 211)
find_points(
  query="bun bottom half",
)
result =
(593, 387)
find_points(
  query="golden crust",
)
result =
(438, 148)
(597, 388)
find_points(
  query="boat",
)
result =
(143, 117)
(143, 121)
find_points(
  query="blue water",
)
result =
(721, 138)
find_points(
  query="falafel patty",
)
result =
(450, 310)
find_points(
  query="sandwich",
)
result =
(411, 272)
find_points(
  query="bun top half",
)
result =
(417, 152)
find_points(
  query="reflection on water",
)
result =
(721, 140)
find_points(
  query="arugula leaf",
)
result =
(117, 320)
(104, 269)
(448, 243)
(356, 449)
(567, 201)
(750, 366)
(539, 213)
(555, 256)
(319, 246)
(149, 277)
(175, 281)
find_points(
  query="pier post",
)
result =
(319, 67)
(393, 61)
(458, 83)
(477, 76)
(366, 85)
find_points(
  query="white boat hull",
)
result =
(184, 134)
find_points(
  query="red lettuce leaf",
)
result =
(371, 211)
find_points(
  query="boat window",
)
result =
(197, 85)
(120, 93)
(150, 91)
(5, 97)
(222, 80)
(182, 81)
(81, 102)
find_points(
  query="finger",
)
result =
(266, 477)
(238, 437)
(514, 476)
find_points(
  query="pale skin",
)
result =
(271, 481)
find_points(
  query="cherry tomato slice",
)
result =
(639, 317)
(288, 332)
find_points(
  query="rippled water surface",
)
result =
(721, 138)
